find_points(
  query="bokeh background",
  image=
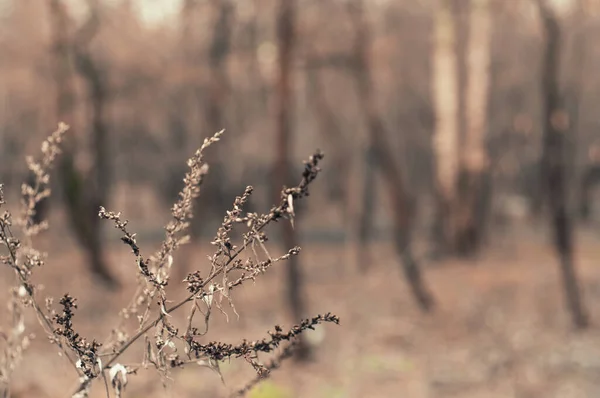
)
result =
(454, 228)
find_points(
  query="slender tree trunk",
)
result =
(219, 88)
(378, 143)
(458, 241)
(367, 202)
(219, 51)
(215, 198)
(576, 162)
(445, 138)
(259, 97)
(553, 162)
(461, 55)
(83, 194)
(62, 74)
(65, 96)
(97, 188)
(283, 174)
(474, 158)
(180, 125)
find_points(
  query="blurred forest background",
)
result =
(454, 228)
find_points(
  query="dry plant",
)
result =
(165, 346)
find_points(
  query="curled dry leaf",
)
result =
(118, 378)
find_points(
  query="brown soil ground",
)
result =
(500, 328)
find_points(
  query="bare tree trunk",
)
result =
(65, 96)
(218, 53)
(576, 162)
(62, 74)
(402, 204)
(214, 199)
(553, 163)
(445, 138)
(259, 96)
(474, 158)
(367, 205)
(98, 187)
(179, 126)
(461, 57)
(458, 241)
(83, 195)
(283, 174)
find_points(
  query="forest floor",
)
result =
(500, 328)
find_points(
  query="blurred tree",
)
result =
(379, 152)
(473, 174)
(83, 194)
(220, 49)
(215, 199)
(577, 160)
(445, 138)
(556, 123)
(461, 75)
(282, 171)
